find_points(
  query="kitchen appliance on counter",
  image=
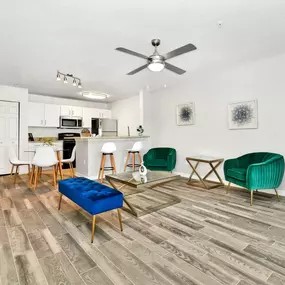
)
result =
(70, 122)
(31, 137)
(104, 127)
(68, 145)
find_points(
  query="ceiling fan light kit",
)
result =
(76, 81)
(157, 62)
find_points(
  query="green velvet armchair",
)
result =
(255, 171)
(160, 158)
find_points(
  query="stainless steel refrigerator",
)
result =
(104, 127)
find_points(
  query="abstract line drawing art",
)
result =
(185, 114)
(243, 115)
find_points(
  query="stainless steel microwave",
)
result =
(70, 122)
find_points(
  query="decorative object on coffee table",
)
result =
(132, 185)
(243, 115)
(203, 181)
(185, 114)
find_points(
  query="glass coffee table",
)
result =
(137, 185)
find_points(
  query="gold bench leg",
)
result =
(251, 198)
(93, 227)
(120, 219)
(59, 203)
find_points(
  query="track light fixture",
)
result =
(76, 81)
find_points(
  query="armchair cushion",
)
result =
(237, 173)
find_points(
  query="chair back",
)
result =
(108, 147)
(12, 155)
(44, 157)
(73, 154)
(137, 146)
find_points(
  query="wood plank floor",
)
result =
(209, 238)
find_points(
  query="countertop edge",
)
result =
(110, 138)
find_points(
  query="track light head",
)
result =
(79, 84)
(74, 83)
(64, 79)
(58, 77)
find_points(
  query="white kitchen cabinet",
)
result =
(8, 133)
(106, 114)
(52, 114)
(76, 111)
(71, 111)
(65, 110)
(43, 115)
(88, 114)
(36, 117)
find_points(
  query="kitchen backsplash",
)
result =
(50, 132)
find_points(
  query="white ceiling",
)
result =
(79, 37)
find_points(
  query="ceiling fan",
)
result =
(157, 62)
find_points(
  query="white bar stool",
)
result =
(137, 147)
(107, 149)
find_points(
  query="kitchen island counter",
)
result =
(88, 153)
(111, 138)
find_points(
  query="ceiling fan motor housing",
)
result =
(156, 58)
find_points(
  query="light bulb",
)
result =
(64, 79)
(74, 82)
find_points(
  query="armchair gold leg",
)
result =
(228, 188)
(277, 194)
(93, 228)
(120, 219)
(251, 198)
(59, 203)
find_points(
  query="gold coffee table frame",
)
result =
(203, 181)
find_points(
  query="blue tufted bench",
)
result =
(93, 197)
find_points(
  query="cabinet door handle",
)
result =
(45, 122)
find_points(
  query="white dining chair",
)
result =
(16, 163)
(70, 161)
(45, 157)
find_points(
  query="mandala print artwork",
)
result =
(243, 115)
(185, 114)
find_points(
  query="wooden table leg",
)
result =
(59, 164)
(215, 171)
(193, 172)
(200, 178)
(131, 209)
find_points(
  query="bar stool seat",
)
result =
(137, 147)
(107, 149)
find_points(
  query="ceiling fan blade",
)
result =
(131, 52)
(174, 68)
(138, 69)
(179, 51)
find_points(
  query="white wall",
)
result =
(262, 80)
(128, 113)
(20, 95)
